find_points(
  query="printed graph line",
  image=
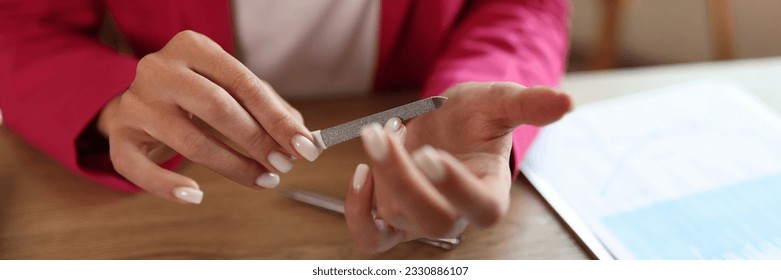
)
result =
(639, 146)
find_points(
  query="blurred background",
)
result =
(629, 33)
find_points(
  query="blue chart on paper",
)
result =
(665, 175)
(736, 221)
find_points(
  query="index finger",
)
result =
(208, 59)
(511, 104)
(427, 210)
(371, 235)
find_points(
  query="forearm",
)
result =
(56, 79)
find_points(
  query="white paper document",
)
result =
(690, 171)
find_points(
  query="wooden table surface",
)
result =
(46, 212)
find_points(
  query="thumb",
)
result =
(535, 105)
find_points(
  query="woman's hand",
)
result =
(459, 170)
(190, 77)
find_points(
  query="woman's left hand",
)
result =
(458, 171)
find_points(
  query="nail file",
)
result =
(325, 138)
(336, 205)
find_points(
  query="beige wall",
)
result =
(673, 31)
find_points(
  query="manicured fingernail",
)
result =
(188, 194)
(381, 225)
(280, 161)
(458, 227)
(427, 159)
(374, 141)
(359, 178)
(393, 124)
(305, 147)
(267, 180)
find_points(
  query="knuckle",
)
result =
(148, 62)
(248, 84)
(503, 88)
(279, 122)
(188, 37)
(194, 146)
(189, 40)
(252, 91)
(256, 142)
(150, 69)
(218, 107)
(493, 213)
(136, 108)
(494, 88)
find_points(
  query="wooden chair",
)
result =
(607, 52)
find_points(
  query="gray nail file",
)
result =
(336, 205)
(328, 137)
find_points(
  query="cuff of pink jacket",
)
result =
(522, 140)
(88, 152)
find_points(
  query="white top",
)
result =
(307, 48)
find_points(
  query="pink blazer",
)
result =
(55, 76)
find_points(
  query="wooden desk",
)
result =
(48, 213)
(758, 76)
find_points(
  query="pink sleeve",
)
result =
(55, 76)
(506, 40)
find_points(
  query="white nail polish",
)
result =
(375, 141)
(188, 194)
(381, 226)
(360, 176)
(305, 147)
(280, 161)
(427, 159)
(458, 227)
(393, 124)
(267, 180)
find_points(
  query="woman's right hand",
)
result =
(192, 76)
